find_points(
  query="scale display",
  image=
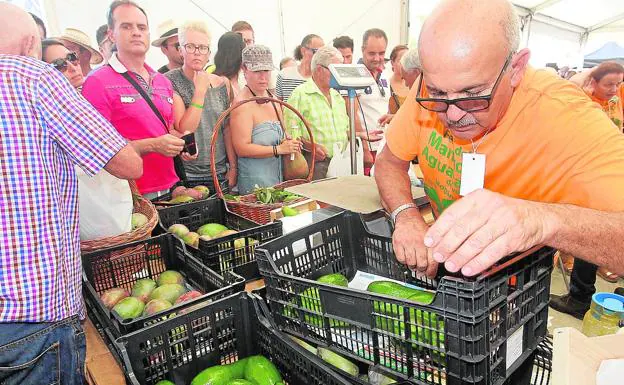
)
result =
(350, 76)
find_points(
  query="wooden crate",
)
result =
(302, 207)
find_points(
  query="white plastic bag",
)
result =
(340, 163)
(105, 205)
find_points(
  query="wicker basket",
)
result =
(141, 205)
(248, 206)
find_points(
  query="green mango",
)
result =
(261, 371)
(335, 279)
(211, 229)
(181, 199)
(240, 382)
(338, 361)
(164, 382)
(289, 211)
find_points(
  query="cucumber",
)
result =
(335, 279)
(397, 290)
(215, 375)
(338, 361)
(261, 371)
(305, 345)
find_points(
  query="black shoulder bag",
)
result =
(177, 161)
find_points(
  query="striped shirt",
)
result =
(329, 124)
(287, 80)
(46, 128)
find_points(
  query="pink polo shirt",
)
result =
(122, 105)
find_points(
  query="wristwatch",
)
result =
(400, 209)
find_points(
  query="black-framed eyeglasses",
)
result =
(61, 63)
(313, 50)
(192, 48)
(468, 104)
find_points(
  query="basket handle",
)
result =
(224, 115)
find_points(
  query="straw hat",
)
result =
(166, 30)
(82, 39)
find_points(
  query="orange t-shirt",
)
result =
(553, 145)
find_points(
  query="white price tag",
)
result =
(473, 172)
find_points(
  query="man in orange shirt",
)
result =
(537, 163)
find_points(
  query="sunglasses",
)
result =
(61, 64)
(313, 50)
(469, 104)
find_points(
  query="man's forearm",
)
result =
(144, 146)
(592, 235)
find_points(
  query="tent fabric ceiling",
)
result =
(583, 13)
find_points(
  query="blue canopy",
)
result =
(609, 51)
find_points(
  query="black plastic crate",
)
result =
(476, 331)
(221, 254)
(219, 333)
(122, 266)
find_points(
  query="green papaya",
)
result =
(335, 279)
(260, 371)
(338, 361)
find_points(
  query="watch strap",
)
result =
(400, 209)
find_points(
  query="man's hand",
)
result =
(321, 153)
(409, 246)
(483, 227)
(385, 119)
(201, 80)
(169, 145)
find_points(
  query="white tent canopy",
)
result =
(560, 31)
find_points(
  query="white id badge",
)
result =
(473, 173)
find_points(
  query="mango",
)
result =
(112, 296)
(138, 220)
(181, 199)
(211, 229)
(204, 190)
(129, 307)
(188, 296)
(338, 361)
(169, 292)
(156, 305)
(289, 211)
(240, 382)
(191, 239)
(205, 238)
(143, 288)
(261, 371)
(178, 191)
(195, 194)
(226, 233)
(178, 229)
(170, 276)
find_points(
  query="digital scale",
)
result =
(350, 78)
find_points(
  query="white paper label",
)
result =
(473, 173)
(514, 346)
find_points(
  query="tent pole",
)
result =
(281, 26)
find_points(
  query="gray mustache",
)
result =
(463, 122)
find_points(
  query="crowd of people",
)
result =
(555, 154)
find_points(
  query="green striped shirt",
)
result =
(329, 124)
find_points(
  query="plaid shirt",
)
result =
(329, 124)
(46, 128)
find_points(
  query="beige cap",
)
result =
(258, 58)
(76, 36)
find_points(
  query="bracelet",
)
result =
(400, 209)
(275, 151)
(200, 106)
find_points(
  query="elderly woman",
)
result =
(198, 101)
(257, 134)
(409, 67)
(290, 77)
(64, 60)
(603, 87)
(323, 107)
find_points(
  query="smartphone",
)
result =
(189, 144)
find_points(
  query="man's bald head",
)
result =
(465, 46)
(19, 34)
(459, 28)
